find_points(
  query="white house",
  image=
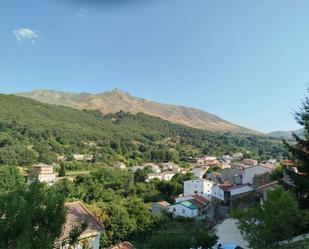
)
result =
(163, 176)
(199, 186)
(189, 206)
(217, 192)
(82, 157)
(248, 173)
(184, 209)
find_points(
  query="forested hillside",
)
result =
(32, 131)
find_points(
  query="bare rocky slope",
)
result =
(116, 100)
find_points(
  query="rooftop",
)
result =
(78, 214)
(123, 245)
(188, 204)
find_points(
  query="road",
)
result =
(228, 232)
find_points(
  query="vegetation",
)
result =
(122, 204)
(31, 216)
(277, 219)
(300, 179)
(32, 132)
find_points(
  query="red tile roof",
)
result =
(78, 214)
(200, 199)
(123, 245)
(163, 203)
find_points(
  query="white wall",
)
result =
(217, 192)
(249, 173)
(198, 186)
(180, 210)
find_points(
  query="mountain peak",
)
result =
(117, 99)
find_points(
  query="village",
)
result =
(218, 185)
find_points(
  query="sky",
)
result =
(245, 61)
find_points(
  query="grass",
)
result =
(77, 172)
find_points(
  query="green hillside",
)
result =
(32, 131)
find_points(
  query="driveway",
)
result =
(228, 232)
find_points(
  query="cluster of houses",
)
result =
(237, 184)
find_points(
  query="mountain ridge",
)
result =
(117, 100)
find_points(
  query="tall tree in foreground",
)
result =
(277, 219)
(300, 150)
(31, 217)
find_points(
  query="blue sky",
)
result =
(246, 61)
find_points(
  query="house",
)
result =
(199, 186)
(260, 179)
(184, 209)
(263, 189)
(250, 162)
(232, 176)
(199, 171)
(238, 155)
(163, 176)
(226, 159)
(170, 167)
(240, 196)
(218, 192)
(158, 207)
(119, 165)
(213, 176)
(189, 206)
(248, 174)
(200, 161)
(200, 198)
(83, 157)
(43, 173)
(123, 245)
(77, 215)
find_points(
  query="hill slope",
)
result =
(116, 100)
(287, 134)
(32, 131)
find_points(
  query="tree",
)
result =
(277, 219)
(11, 179)
(140, 175)
(119, 225)
(62, 170)
(300, 151)
(31, 218)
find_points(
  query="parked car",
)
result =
(229, 246)
(226, 246)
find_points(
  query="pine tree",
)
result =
(300, 152)
(62, 170)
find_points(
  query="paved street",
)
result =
(228, 232)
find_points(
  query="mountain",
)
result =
(117, 100)
(32, 131)
(287, 134)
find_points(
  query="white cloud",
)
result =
(25, 34)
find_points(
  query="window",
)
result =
(183, 211)
(174, 209)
